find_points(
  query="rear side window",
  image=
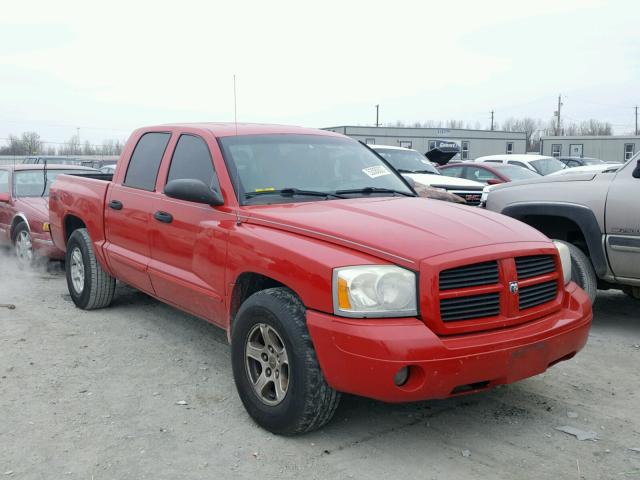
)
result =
(145, 161)
(192, 159)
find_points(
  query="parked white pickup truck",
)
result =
(411, 164)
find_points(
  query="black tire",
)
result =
(98, 287)
(24, 262)
(582, 271)
(309, 402)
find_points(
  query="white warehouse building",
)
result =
(613, 148)
(472, 143)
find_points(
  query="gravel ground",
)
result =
(94, 395)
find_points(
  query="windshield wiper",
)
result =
(290, 192)
(370, 190)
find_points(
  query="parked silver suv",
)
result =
(596, 214)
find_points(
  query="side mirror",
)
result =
(192, 190)
(636, 171)
(4, 198)
(494, 181)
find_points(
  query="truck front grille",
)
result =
(535, 265)
(475, 306)
(485, 273)
(538, 294)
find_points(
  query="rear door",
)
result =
(188, 240)
(128, 211)
(623, 223)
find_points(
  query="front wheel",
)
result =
(275, 367)
(24, 247)
(89, 285)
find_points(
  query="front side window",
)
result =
(32, 183)
(509, 148)
(480, 174)
(556, 150)
(145, 161)
(515, 162)
(281, 168)
(4, 181)
(628, 150)
(453, 171)
(192, 160)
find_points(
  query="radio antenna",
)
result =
(235, 167)
(235, 104)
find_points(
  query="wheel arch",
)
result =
(246, 284)
(70, 224)
(574, 223)
(18, 218)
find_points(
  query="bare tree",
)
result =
(454, 124)
(71, 147)
(31, 143)
(87, 149)
(595, 127)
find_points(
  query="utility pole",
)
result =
(377, 115)
(557, 112)
(492, 120)
(636, 120)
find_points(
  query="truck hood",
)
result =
(568, 177)
(442, 180)
(401, 230)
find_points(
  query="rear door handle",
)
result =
(115, 204)
(163, 217)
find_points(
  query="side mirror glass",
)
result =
(4, 198)
(192, 190)
(636, 171)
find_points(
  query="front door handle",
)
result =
(163, 217)
(115, 204)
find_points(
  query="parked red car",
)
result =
(491, 174)
(326, 270)
(24, 209)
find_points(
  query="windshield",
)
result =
(30, 183)
(545, 166)
(516, 173)
(408, 161)
(267, 164)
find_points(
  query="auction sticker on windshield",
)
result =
(376, 171)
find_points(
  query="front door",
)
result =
(188, 241)
(128, 212)
(623, 223)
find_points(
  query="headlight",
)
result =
(565, 259)
(374, 291)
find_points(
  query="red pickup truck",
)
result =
(327, 272)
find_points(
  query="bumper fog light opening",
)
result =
(401, 377)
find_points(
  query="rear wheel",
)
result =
(582, 271)
(24, 246)
(275, 367)
(89, 285)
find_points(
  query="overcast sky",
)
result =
(108, 67)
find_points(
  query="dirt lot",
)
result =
(93, 395)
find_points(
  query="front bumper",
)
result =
(362, 356)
